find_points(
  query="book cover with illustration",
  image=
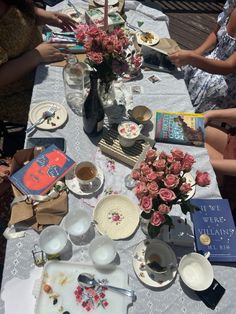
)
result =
(180, 128)
(214, 229)
(42, 172)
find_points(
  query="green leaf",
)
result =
(140, 23)
(188, 207)
(153, 231)
(169, 221)
(146, 215)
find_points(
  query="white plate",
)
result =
(102, 2)
(62, 278)
(116, 216)
(75, 187)
(71, 12)
(139, 262)
(190, 179)
(142, 41)
(54, 122)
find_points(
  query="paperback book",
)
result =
(214, 229)
(42, 172)
(180, 128)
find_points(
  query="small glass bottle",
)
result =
(73, 76)
(93, 112)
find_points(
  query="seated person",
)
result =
(221, 146)
(21, 51)
(211, 76)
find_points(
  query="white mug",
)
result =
(196, 271)
(129, 132)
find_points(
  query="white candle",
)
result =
(106, 16)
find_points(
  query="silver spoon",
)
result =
(87, 280)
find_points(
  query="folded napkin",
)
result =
(155, 14)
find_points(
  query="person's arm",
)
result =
(225, 115)
(57, 19)
(17, 68)
(225, 166)
(222, 67)
(208, 44)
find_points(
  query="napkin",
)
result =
(155, 14)
(25, 214)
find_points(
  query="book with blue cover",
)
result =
(42, 172)
(184, 128)
(214, 229)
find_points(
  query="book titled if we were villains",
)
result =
(214, 229)
(184, 128)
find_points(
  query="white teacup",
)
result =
(102, 250)
(77, 222)
(86, 172)
(129, 132)
(196, 271)
(52, 240)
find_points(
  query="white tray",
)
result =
(62, 277)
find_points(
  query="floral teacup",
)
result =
(128, 133)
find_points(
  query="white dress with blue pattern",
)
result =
(213, 91)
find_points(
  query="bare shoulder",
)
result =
(231, 26)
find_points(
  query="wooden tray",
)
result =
(110, 146)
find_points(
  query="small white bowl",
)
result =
(52, 240)
(77, 222)
(102, 250)
(196, 271)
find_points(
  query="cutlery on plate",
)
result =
(70, 4)
(87, 280)
(46, 114)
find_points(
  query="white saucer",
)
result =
(152, 42)
(54, 122)
(138, 263)
(190, 179)
(74, 186)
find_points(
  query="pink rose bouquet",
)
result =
(161, 183)
(106, 52)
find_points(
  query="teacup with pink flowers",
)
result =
(129, 132)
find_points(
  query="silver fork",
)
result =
(70, 4)
(46, 114)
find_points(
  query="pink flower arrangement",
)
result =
(161, 183)
(106, 52)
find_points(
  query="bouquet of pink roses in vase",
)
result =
(161, 183)
(106, 52)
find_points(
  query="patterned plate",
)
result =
(149, 39)
(116, 216)
(138, 263)
(75, 187)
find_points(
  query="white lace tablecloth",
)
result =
(169, 94)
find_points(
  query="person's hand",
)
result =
(49, 52)
(181, 57)
(60, 20)
(207, 117)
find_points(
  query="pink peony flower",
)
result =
(170, 159)
(164, 209)
(153, 189)
(159, 164)
(152, 176)
(185, 188)
(163, 155)
(176, 168)
(186, 166)
(157, 219)
(202, 178)
(177, 154)
(140, 189)
(167, 195)
(171, 181)
(95, 57)
(145, 169)
(146, 203)
(151, 155)
(135, 174)
(189, 159)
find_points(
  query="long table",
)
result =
(168, 94)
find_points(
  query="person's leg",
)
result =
(216, 141)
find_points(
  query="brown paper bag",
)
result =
(36, 216)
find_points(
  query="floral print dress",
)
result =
(212, 91)
(18, 34)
